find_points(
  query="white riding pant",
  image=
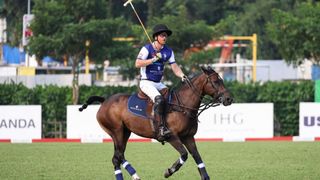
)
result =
(151, 88)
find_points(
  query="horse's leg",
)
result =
(118, 157)
(176, 143)
(190, 144)
(125, 163)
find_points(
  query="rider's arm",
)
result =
(177, 70)
(142, 60)
(175, 67)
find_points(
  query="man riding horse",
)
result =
(151, 60)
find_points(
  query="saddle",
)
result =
(141, 105)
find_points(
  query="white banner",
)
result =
(85, 126)
(19, 122)
(309, 120)
(250, 120)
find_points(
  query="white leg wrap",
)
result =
(181, 161)
(117, 172)
(125, 164)
(201, 165)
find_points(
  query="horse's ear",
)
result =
(204, 69)
(211, 69)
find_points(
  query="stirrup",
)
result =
(164, 133)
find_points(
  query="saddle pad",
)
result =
(137, 105)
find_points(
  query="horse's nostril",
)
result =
(230, 100)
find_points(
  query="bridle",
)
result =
(209, 101)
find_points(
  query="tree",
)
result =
(185, 31)
(13, 11)
(296, 33)
(61, 28)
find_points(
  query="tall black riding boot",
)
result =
(159, 109)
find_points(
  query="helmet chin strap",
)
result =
(156, 48)
(156, 38)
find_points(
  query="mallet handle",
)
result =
(135, 12)
(141, 22)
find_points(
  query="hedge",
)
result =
(53, 99)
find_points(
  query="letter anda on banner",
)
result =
(20, 122)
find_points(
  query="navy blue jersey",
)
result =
(154, 71)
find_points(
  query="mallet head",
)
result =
(126, 3)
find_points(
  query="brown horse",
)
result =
(182, 119)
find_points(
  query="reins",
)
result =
(203, 106)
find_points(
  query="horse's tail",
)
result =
(91, 100)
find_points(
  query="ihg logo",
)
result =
(311, 121)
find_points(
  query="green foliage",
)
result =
(62, 28)
(193, 32)
(53, 101)
(191, 63)
(296, 33)
(52, 17)
(286, 97)
(243, 93)
(17, 94)
(107, 91)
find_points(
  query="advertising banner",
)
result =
(20, 122)
(309, 120)
(248, 120)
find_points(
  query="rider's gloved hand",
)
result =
(156, 57)
(184, 78)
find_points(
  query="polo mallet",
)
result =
(135, 12)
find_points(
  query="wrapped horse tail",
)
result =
(91, 100)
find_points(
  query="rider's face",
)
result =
(162, 38)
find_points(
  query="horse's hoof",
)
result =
(162, 141)
(167, 173)
(135, 177)
(205, 178)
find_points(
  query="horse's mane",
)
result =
(192, 77)
(183, 84)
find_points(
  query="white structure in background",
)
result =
(3, 36)
(278, 70)
(305, 70)
(267, 70)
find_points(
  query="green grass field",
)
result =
(224, 160)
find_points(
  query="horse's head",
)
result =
(214, 87)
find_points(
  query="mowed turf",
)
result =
(223, 160)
